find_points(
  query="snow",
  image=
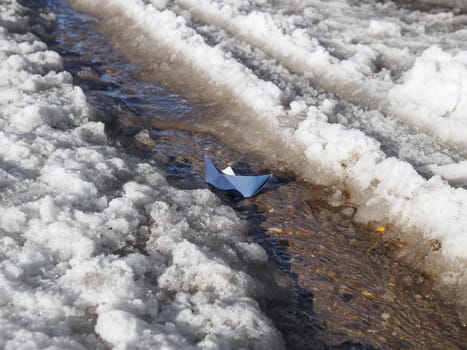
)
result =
(350, 78)
(278, 36)
(74, 214)
(455, 4)
(370, 66)
(97, 250)
(434, 93)
(381, 29)
(456, 173)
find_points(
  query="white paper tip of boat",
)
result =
(226, 180)
(228, 171)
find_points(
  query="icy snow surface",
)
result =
(361, 96)
(73, 212)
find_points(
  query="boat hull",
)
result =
(245, 186)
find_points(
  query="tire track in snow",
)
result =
(396, 139)
(278, 36)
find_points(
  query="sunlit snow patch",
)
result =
(433, 95)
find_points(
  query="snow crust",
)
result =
(427, 214)
(96, 249)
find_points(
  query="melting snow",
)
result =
(384, 66)
(73, 212)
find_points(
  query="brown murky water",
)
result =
(351, 291)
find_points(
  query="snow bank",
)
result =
(96, 249)
(428, 215)
(434, 94)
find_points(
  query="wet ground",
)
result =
(350, 289)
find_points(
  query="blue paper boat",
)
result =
(227, 180)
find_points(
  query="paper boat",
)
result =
(227, 180)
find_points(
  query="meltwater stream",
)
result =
(350, 290)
